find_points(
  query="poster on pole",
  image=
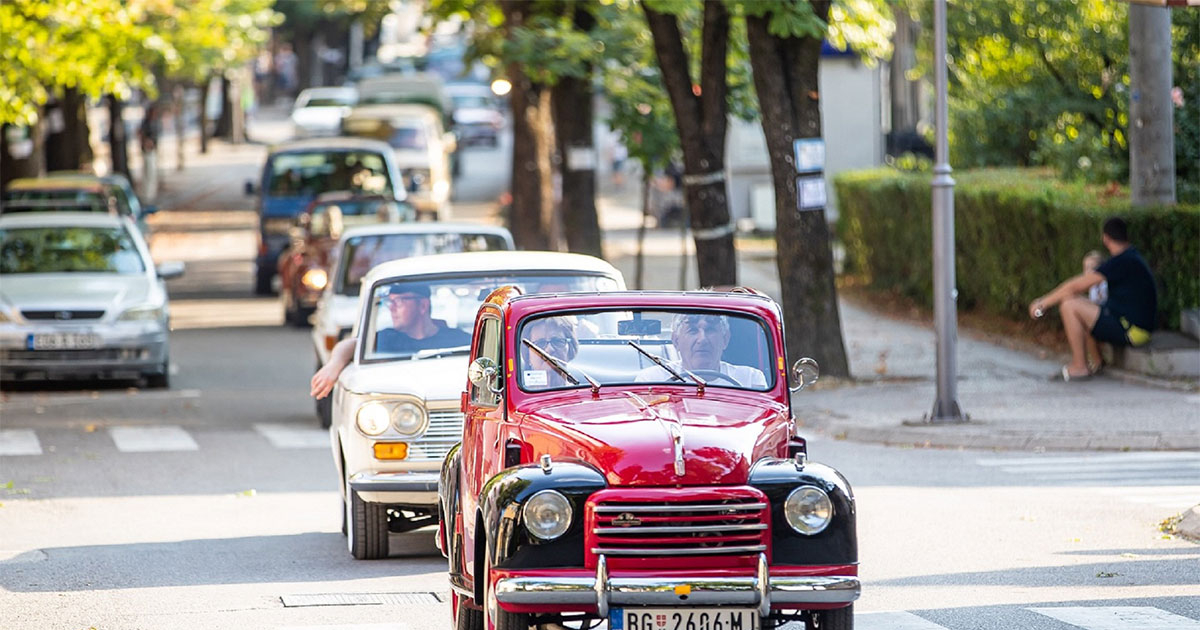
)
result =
(809, 154)
(810, 193)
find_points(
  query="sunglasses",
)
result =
(562, 343)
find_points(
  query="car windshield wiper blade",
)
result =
(700, 383)
(440, 352)
(561, 368)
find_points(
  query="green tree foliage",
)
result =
(1185, 51)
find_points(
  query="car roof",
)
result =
(400, 110)
(486, 262)
(331, 90)
(739, 299)
(61, 219)
(468, 89)
(336, 143)
(439, 227)
(81, 181)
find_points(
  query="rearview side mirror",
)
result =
(483, 373)
(249, 188)
(170, 270)
(805, 372)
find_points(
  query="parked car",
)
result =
(81, 297)
(304, 265)
(319, 111)
(361, 249)
(478, 114)
(422, 150)
(632, 457)
(397, 408)
(420, 88)
(77, 192)
(296, 172)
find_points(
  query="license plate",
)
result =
(63, 341)
(683, 619)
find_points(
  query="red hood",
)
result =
(631, 439)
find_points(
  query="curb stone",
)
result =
(1189, 525)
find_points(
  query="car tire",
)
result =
(366, 527)
(836, 619)
(466, 617)
(262, 283)
(162, 379)
(495, 617)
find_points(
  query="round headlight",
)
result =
(315, 279)
(372, 418)
(547, 514)
(408, 418)
(808, 510)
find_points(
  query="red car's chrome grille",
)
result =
(663, 527)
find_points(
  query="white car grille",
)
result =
(445, 430)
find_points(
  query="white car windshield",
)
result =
(69, 249)
(426, 317)
(675, 347)
(361, 253)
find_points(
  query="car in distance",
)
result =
(77, 192)
(361, 249)
(631, 457)
(81, 297)
(397, 406)
(303, 266)
(478, 116)
(296, 172)
(319, 111)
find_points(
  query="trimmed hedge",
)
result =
(1018, 233)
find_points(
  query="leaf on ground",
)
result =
(8, 485)
(90, 428)
(247, 493)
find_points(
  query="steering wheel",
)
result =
(712, 376)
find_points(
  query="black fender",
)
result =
(448, 500)
(502, 498)
(838, 543)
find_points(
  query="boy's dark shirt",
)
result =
(391, 340)
(1131, 292)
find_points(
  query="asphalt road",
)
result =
(214, 504)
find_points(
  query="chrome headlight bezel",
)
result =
(808, 510)
(538, 506)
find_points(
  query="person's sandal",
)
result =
(1067, 378)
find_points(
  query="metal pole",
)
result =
(1151, 113)
(945, 407)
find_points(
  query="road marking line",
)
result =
(151, 439)
(1110, 458)
(19, 442)
(1119, 618)
(1108, 468)
(288, 436)
(357, 626)
(900, 620)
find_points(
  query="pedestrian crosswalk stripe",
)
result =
(899, 620)
(19, 442)
(1119, 618)
(288, 436)
(152, 439)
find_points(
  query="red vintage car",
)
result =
(632, 457)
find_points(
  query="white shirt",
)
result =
(745, 375)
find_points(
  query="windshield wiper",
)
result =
(700, 383)
(561, 368)
(440, 352)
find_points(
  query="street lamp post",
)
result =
(945, 407)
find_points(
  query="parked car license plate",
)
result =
(683, 619)
(63, 341)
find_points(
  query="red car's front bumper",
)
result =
(585, 591)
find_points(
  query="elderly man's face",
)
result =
(407, 309)
(700, 342)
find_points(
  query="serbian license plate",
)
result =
(63, 341)
(683, 619)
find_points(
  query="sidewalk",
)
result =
(1008, 395)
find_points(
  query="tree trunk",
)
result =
(785, 79)
(225, 121)
(178, 108)
(529, 182)
(204, 86)
(67, 145)
(1151, 113)
(701, 114)
(118, 140)
(573, 130)
(640, 261)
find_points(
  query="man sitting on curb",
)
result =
(1128, 316)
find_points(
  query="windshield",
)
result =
(413, 319)
(312, 173)
(616, 347)
(408, 138)
(472, 101)
(328, 101)
(361, 253)
(71, 248)
(57, 199)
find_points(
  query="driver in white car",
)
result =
(700, 341)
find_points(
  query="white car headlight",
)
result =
(315, 279)
(4, 317)
(808, 510)
(372, 418)
(408, 418)
(142, 314)
(547, 514)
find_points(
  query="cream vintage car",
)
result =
(397, 407)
